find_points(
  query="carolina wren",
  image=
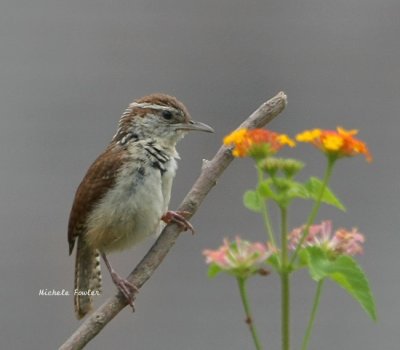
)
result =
(126, 191)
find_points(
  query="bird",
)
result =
(124, 196)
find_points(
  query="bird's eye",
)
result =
(167, 115)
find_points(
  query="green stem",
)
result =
(317, 299)
(246, 306)
(315, 208)
(265, 211)
(285, 283)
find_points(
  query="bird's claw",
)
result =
(126, 288)
(178, 217)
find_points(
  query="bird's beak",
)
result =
(197, 126)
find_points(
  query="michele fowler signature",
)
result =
(66, 292)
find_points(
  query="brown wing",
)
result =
(99, 178)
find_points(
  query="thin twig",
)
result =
(210, 172)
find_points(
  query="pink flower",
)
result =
(241, 258)
(340, 242)
(348, 242)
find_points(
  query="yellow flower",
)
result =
(337, 143)
(308, 135)
(286, 140)
(236, 136)
(332, 142)
(257, 143)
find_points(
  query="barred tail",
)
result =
(87, 277)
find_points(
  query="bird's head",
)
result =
(160, 117)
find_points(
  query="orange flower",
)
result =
(337, 143)
(257, 143)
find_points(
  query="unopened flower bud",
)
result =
(291, 167)
(271, 165)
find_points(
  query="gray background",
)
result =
(67, 71)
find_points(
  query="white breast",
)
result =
(132, 210)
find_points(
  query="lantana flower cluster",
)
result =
(262, 142)
(336, 143)
(240, 257)
(338, 242)
(257, 143)
(327, 253)
(262, 145)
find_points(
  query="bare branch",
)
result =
(210, 172)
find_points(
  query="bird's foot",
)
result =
(126, 288)
(178, 217)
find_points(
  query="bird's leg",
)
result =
(178, 217)
(124, 286)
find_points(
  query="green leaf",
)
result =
(297, 190)
(282, 190)
(346, 272)
(265, 190)
(314, 186)
(317, 261)
(252, 201)
(213, 270)
(274, 261)
(302, 259)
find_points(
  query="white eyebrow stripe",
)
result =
(152, 106)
